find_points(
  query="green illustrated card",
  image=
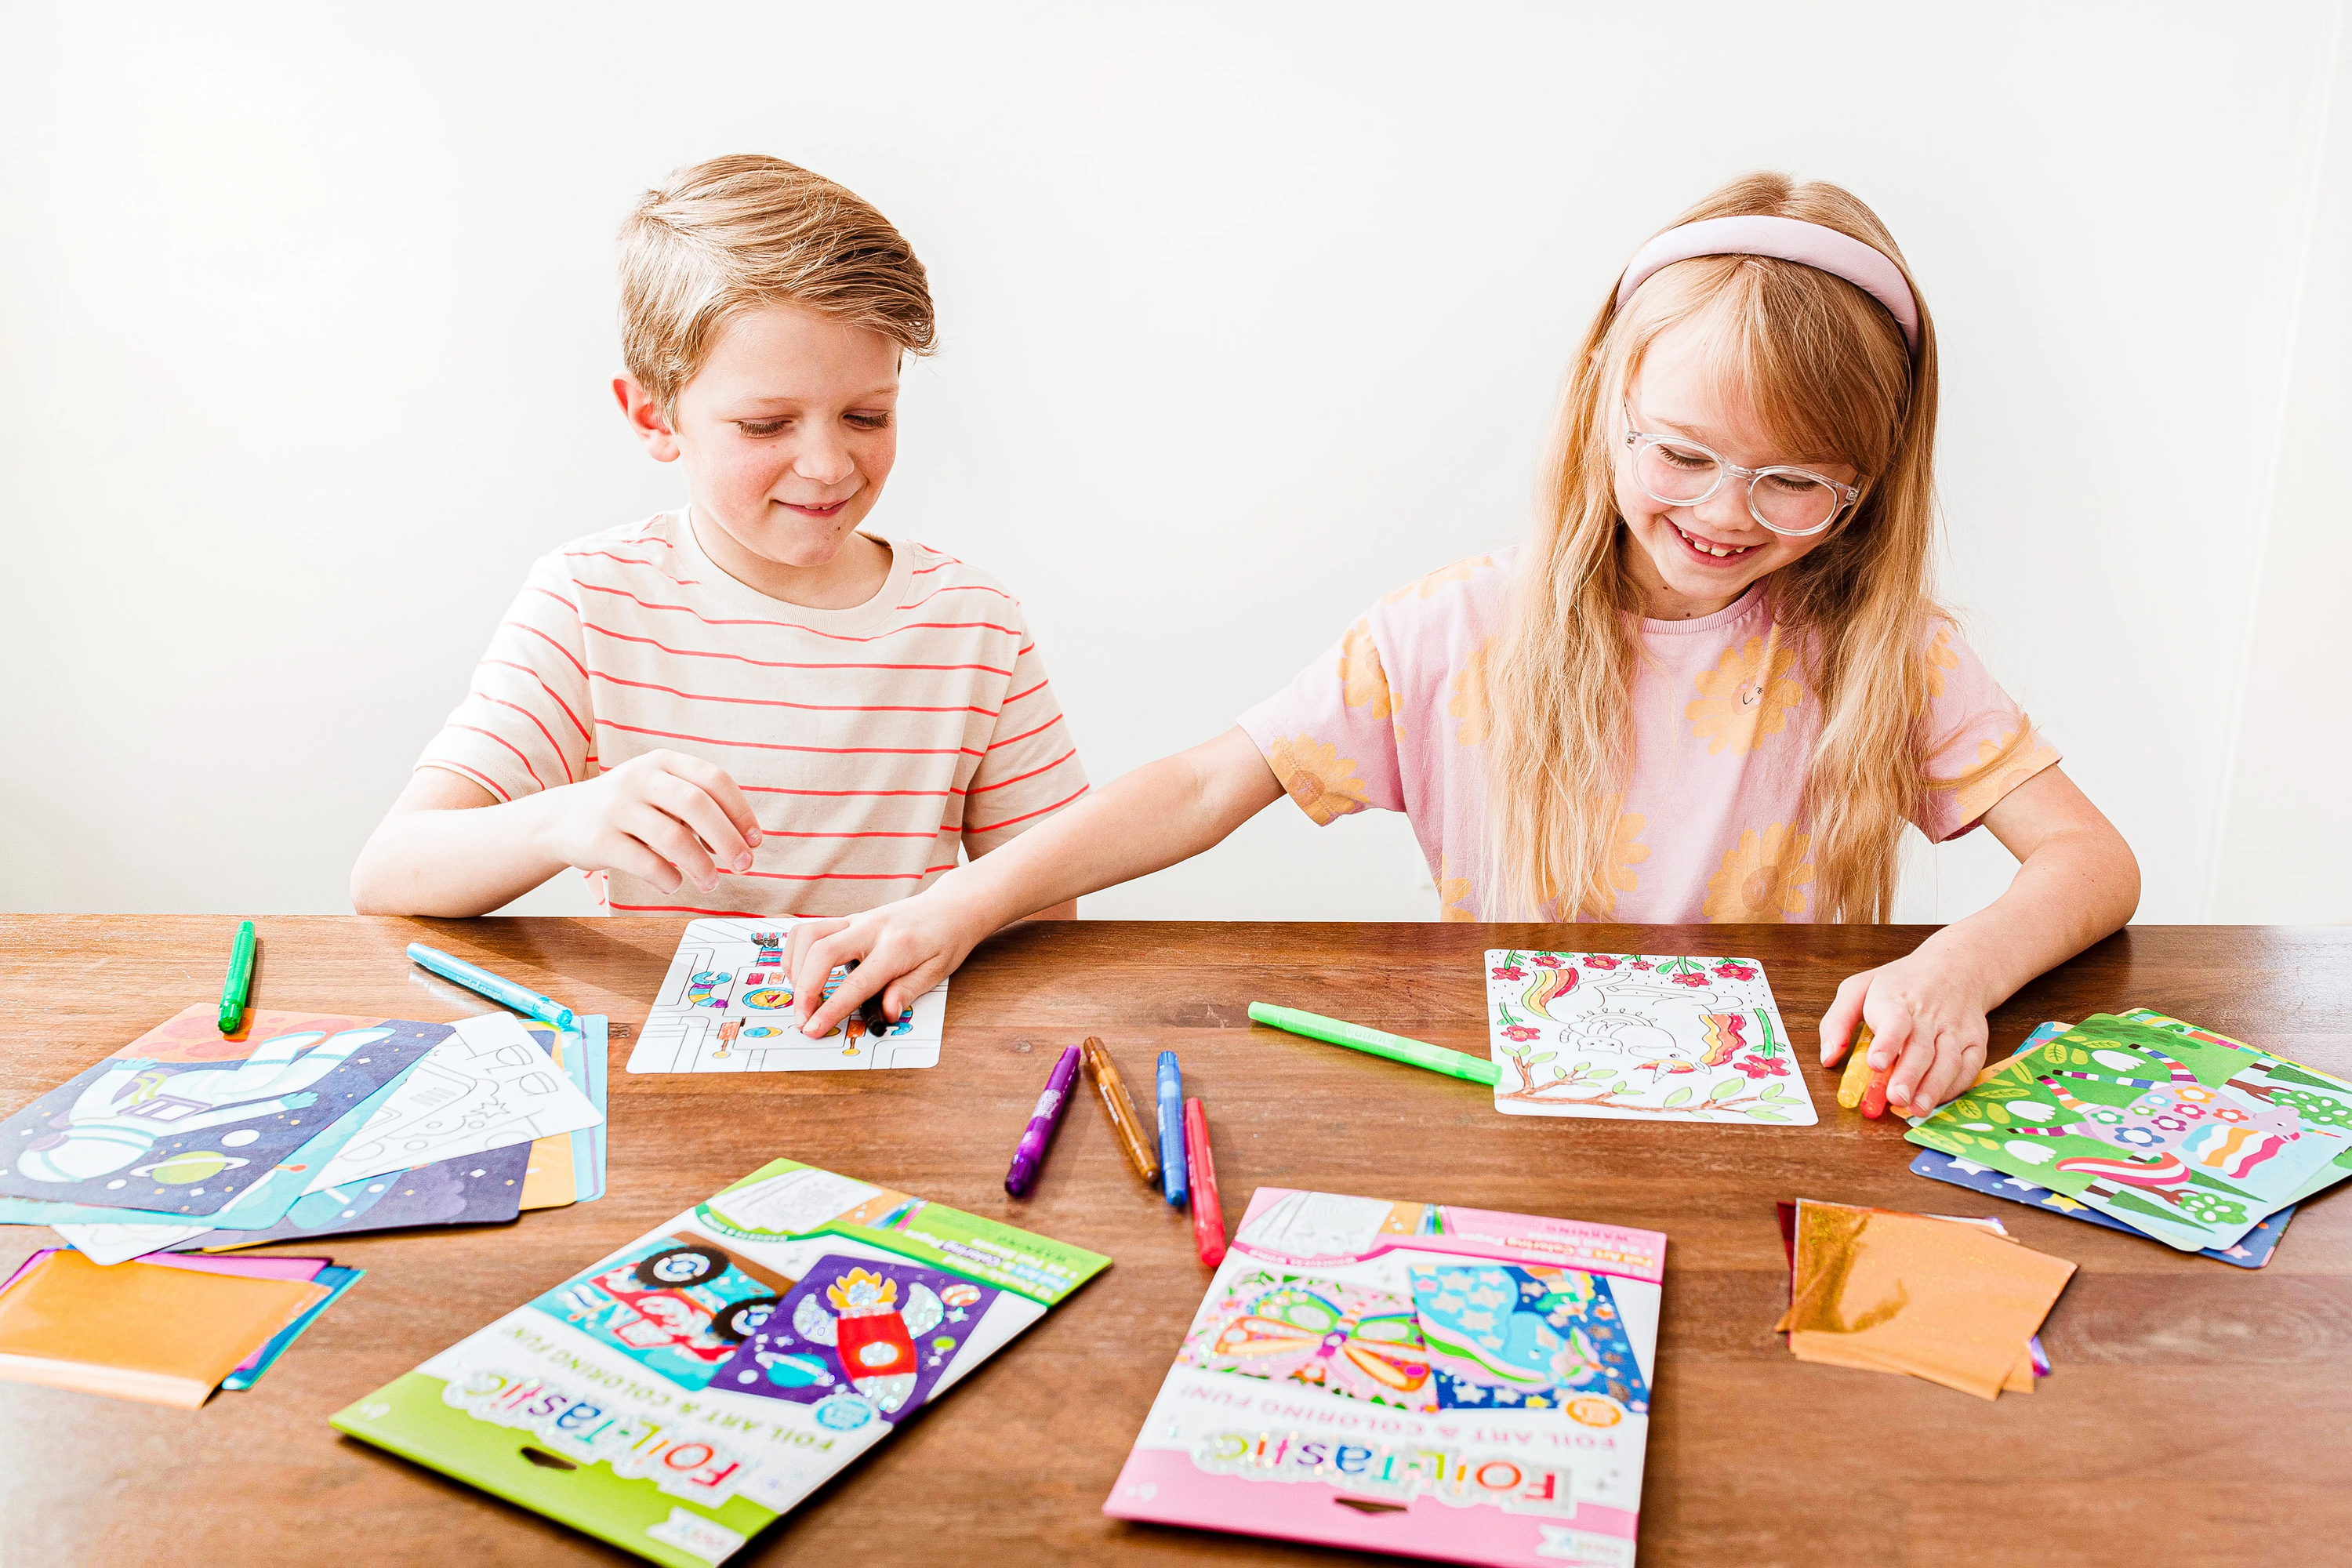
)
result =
(678, 1395)
(2189, 1138)
(2320, 1097)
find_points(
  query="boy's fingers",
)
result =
(1844, 1012)
(667, 836)
(714, 782)
(619, 852)
(729, 850)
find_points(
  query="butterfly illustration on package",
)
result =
(1343, 1339)
(857, 1338)
(1507, 1338)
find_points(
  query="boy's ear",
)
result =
(645, 418)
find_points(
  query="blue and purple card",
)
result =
(2251, 1250)
(858, 1338)
(465, 1189)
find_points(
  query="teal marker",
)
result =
(521, 998)
(1377, 1042)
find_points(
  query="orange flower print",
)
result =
(1763, 877)
(1459, 572)
(1941, 657)
(2001, 766)
(1746, 695)
(1319, 779)
(1626, 851)
(1453, 894)
(1469, 704)
(1362, 680)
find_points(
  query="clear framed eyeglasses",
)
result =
(1796, 502)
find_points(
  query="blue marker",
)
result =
(530, 1003)
(1172, 1130)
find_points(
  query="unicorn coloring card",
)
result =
(1641, 1036)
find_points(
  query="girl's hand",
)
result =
(665, 818)
(902, 951)
(1925, 1016)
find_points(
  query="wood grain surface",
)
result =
(2197, 1414)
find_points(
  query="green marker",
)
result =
(1379, 1042)
(240, 978)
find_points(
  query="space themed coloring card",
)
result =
(1641, 1036)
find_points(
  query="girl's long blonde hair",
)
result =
(1829, 375)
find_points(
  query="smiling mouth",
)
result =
(831, 509)
(1711, 551)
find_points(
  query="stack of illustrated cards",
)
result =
(166, 1331)
(1645, 1036)
(301, 1125)
(675, 1396)
(726, 1006)
(2157, 1126)
(1463, 1385)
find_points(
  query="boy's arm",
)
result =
(2076, 882)
(1161, 813)
(449, 848)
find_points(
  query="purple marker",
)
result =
(1042, 1123)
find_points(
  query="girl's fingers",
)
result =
(814, 966)
(1844, 1014)
(807, 975)
(1918, 1059)
(855, 987)
(1953, 1072)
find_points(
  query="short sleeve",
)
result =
(1330, 735)
(1030, 769)
(524, 724)
(1981, 744)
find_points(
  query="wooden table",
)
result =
(2198, 1413)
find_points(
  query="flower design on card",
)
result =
(1763, 877)
(1362, 680)
(1318, 778)
(2007, 762)
(1746, 695)
(1941, 657)
(1460, 571)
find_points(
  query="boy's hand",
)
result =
(665, 818)
(1924, 1017)
(907, 947)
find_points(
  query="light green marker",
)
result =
(1378, 1042)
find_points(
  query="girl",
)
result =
(1713, 686)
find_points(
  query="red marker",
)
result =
(1208, 1218)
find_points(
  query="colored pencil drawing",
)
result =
(725, 1006)
(1637, 1036)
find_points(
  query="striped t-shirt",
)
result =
(872, 742)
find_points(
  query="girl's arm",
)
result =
(449, 847)
(1161, 813)
(2076, 882)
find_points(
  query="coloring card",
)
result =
(487, 1086)
(471, 1189)
(187, 1138)
(2249, 1251)
(725, 1006)
(1639, 1036)
(1314, 1332)
(2191, 1142)
(1508, 1337)
(857, 1338)
(676, 1302)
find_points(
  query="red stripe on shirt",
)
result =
(777, 746)
(568, 657)
(535, 724)
(767, 832)
(844, 793)
(1026, 733)
(992, 826)
(478, 777)
(693, 909)
(761, 663)
(633, 561)
(847, 876)
(959, 588)
(510, 745)
(795, 626)
(553, 696)
(1033, 773)
(804, 707)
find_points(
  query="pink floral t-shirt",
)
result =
(1710, 828)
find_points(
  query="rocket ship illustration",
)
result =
(872, 1334)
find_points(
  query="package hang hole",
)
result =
(547, 1461)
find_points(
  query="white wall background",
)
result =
(1250, 314)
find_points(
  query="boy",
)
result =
(748, 705)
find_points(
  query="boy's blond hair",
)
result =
(735, 233)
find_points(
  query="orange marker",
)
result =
(1208, 1217)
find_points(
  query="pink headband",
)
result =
(1788, 239)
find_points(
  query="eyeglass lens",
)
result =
(1681, 474)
